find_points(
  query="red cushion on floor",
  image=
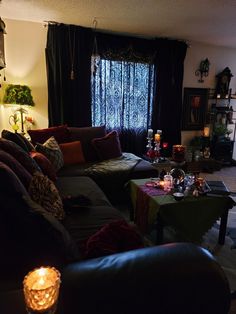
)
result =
(115, 237)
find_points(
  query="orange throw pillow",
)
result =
(72, 153)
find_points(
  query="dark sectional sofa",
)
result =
(173, 278)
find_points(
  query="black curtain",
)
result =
(167, 110)
(69, 48)
(69, 100)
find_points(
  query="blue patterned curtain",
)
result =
(122, 96)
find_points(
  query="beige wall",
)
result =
(25, 59)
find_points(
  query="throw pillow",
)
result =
(44, 192)
(18, 153)
(108, 147)
(52, 151)
(86, 135)
(72, 153)
(10, 183)
(28, 144)
(60, 133)
(117, 236)
(15, 166)
(44, 164)
(14, 137)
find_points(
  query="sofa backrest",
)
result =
(86, 135)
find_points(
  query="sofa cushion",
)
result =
(18, 139)
(52, 151)
(75, 186)
(44, 192)
(85, 135)
(83, 223)
(72, 153)
(114, 237)
(15, 166)
(45, 164)
(18, 153)
(10, 183)
(108, 147)
(60, 133)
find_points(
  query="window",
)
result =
(122, 95)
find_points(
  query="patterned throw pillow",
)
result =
(44, 192)
(52, 151)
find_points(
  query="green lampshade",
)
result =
(18, 94)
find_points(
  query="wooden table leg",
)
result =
(223, 225)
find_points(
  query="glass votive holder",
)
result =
(168, 182)
(178, 153)
(41, 290)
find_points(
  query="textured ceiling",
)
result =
(208, 21)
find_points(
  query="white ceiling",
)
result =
(208, 21)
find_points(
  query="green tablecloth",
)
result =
(191, 218)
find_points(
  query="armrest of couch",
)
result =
(172, 278)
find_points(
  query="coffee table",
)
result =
(191, 217)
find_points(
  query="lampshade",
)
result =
(41, 290)
(18, 94)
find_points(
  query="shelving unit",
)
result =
(221, 118)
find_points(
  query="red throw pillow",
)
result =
(72, 153)
(60, 133)
(117, 236)
(108, 147)
(44, 164)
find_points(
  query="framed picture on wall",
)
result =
(194, 108)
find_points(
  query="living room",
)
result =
(26, 38)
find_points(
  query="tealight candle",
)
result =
(206, 131)
(161, 184)
(41, 289)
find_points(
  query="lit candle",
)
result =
(161, 184)
(41, 289)
(157, 137)
(150, 133)
(218, 96)
(165, 145)
(178, 153)
(206, 131)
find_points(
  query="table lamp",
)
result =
(41, 290)
(19, 95)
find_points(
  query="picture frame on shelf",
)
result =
(194, 108)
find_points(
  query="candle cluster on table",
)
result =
(41, 290)
(153, 152)
(178, 153)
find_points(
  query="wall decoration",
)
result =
(203, 70)
(194, 108)
(223, 81)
